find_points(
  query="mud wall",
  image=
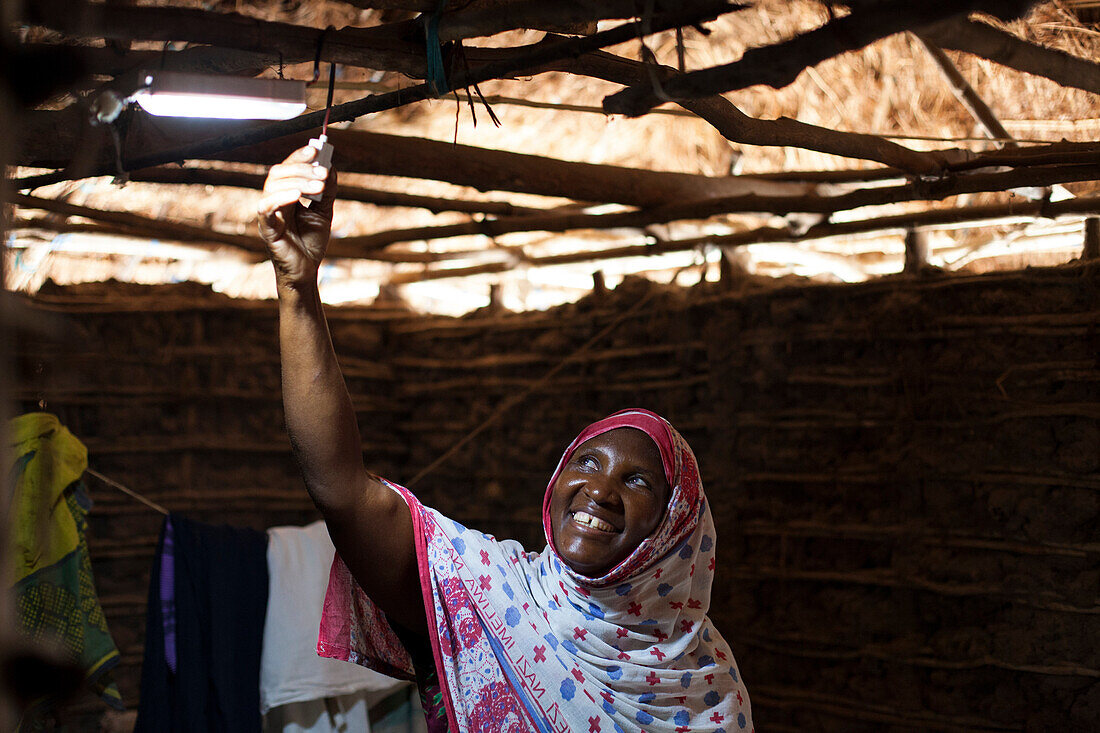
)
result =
(905, 474)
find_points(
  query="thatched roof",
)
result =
(734, 169)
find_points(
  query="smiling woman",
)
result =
(608, 623)
(604, 630)
(608, 497)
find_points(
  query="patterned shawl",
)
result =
(524, 643)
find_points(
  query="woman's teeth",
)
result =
(589, 521)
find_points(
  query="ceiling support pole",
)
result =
(1091, 250)
(965, 93)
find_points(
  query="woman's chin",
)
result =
(585, 564)
(588, 571)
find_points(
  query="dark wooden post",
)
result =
(916, 251)
(1091, 250)
(599, 284)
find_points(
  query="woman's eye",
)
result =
(639, 482)
(588, 462)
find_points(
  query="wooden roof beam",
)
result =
(719, 112)
(108, 61)
(521, 9)
(752, 203)
(393, 155)
(533, 57)
(123, 223)
(209, 177)
(375, 48)
(981, 39)
(393, 46)
(779, 64)
(993, 213)
(733, 124)
(736, 126)
(142, 225)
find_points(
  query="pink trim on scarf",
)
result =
(425, 573)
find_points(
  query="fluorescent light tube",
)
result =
(177, 94)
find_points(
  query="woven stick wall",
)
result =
(905, 475)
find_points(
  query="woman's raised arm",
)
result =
(370, 525)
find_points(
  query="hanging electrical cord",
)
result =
(323, 157)
(328, 101)
(331, 76)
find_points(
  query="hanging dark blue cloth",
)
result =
(220, 588)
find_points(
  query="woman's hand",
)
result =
(297, 236)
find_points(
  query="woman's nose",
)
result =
(600, 489)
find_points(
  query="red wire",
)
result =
(328, 104)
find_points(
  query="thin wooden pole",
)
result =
(966, 95)
(129, 492)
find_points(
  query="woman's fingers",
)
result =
(286, 182)
(309, 179)
(303, 154)
(276, 199)
(307, 185)
(303, 171)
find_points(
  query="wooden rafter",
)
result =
(135, 225)
(752, 203)
(981, 39)
(689, 197)
(465, 165)
(125, 223)
(738, 127)
(533, 57)
(991, 214)
(110, 61)
(176, 231)
(779, 64)
(365, 47)
(574, 14)
(721, 114)
(393, 46)
(212, 177)
(734, 125)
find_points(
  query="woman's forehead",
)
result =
(622, 435)
(632, 439)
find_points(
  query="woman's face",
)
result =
(609, 496)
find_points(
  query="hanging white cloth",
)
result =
(298, 561)
(343, 714)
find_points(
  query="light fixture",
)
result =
(179, 94)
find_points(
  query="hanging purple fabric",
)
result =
(168, 595)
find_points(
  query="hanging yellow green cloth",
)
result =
(52, 573)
